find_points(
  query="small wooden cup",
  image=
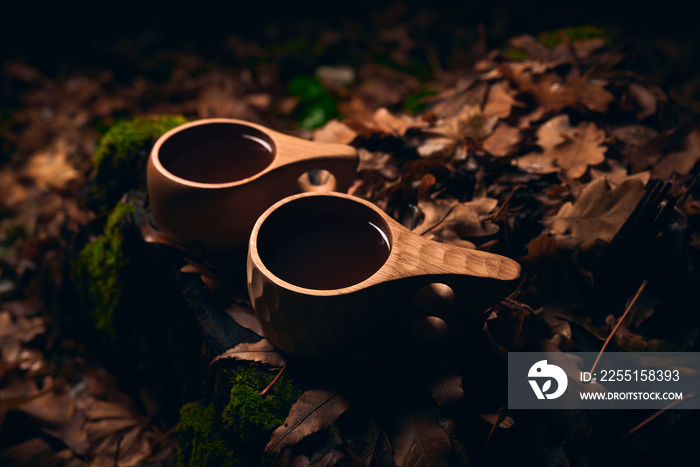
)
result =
(209, 180)
(329, 272)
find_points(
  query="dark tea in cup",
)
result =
(323, 243)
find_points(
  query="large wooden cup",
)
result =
(209, 180)
(329, 272)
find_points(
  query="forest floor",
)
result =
(571, 150)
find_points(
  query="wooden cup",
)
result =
(209, 180)
(329, 272)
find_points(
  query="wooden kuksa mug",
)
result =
(209, 180)
(329, 272)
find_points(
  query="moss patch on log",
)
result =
(100, 269)
(119, 162)
(201, 442)
(237, 434)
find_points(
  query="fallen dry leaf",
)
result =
(503, 141)
(447, 390)
(50, 168)
(420, 441)
(566, 149)
(437, 146)
(617, 174)
(645, 99)
(245, 316)
(314, 410)
(450, 220)
(680, 162)
(541, 246)
(591, 95)
(335, 132)
(261, 351)
(492, 418)
(500, 100)
(597, 215)
(470, 122)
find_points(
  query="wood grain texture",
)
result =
(220, 216)
(381, 309)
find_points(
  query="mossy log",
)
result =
(157, 327)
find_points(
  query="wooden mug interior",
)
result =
(323, 242)
(217, 152)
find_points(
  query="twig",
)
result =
(619, 322)
(265, 391)
(658, 412)
(505, 203)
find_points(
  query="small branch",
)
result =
(619, 322)
(265, 391)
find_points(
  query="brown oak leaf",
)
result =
(566, 149)
(450, 220)
(315, 410)
(597, 215)
(591, 95)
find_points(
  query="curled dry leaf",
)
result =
(261, 352)
(645, 99)
(597, 215)
(245, 316)
(437, 146)
(420, 441)
(567, 149)
(315, 410)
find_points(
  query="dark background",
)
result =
(122, 36)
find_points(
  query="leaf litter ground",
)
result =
(547, 154)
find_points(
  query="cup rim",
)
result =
(155, 159)
(376, 277)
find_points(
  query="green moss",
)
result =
(516, 55)
(251, 418)
(100, 269)
(121, 158)
(201, 442)
(237, 435)
(124, 139)
(573, 33)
